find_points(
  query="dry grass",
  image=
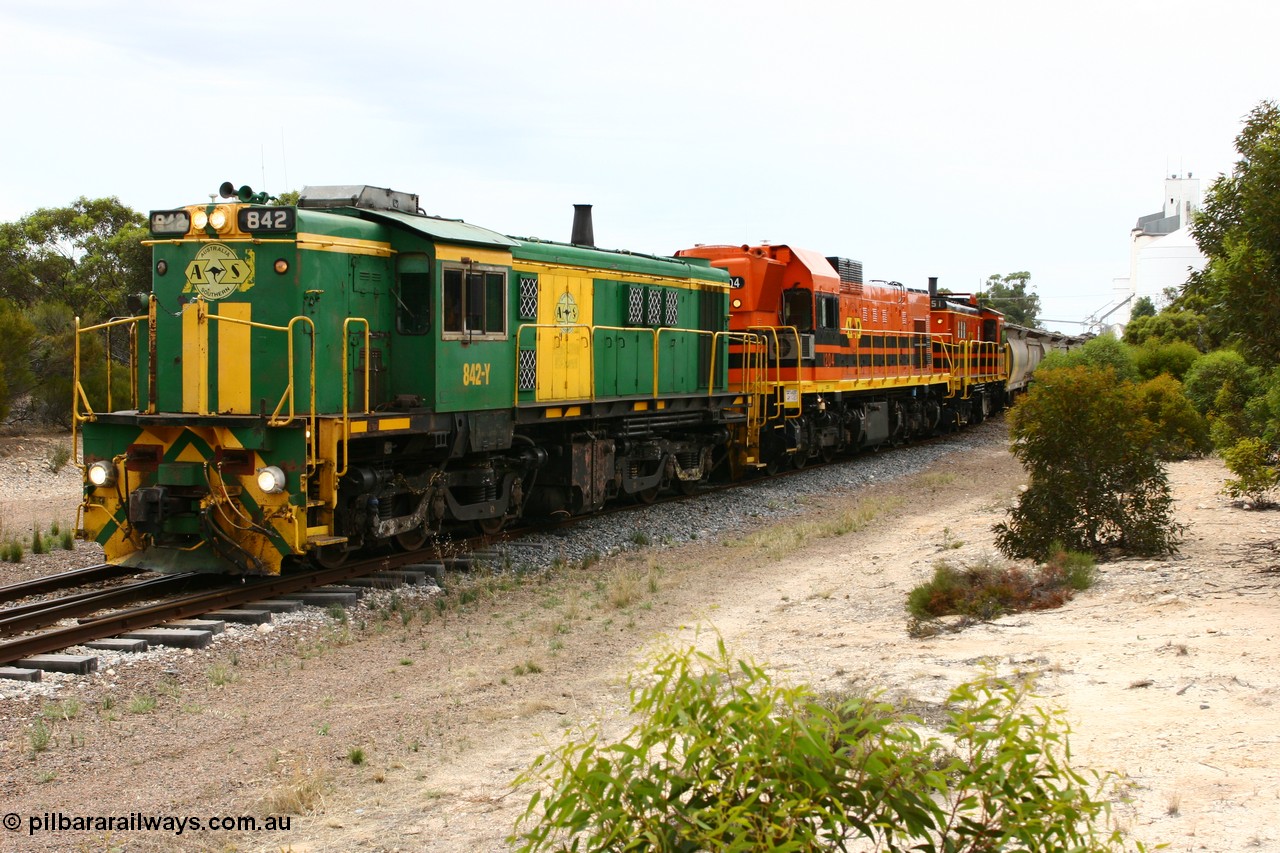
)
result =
(789, 537)
(303, 793)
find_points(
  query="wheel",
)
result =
(800, 458)
(828, 453)
(329, 556)
(647, 496)
(689, 487)
(492, 526)
(412, 540)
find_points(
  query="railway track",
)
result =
(242, 592)
(39, 619)
(62, 580)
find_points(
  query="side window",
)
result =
(474, 299)
(828, 311)
(413, 294)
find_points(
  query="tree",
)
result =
(1010, 295)
(16, 334)
(1096, 483)
(88, 256)
(1142, 307)
(1238, 230)
(1175, 323)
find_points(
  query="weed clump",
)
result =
(990, 589)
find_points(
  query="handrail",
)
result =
(656, 333)
(744, 339)
(289, 394)
(563, 327)
(346, 419)
(79, 396)
(771, 332)
(657, 337)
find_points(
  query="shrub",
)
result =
(1095, 482)
(1181, 432)
(1213, 373)
(723, 759)
(1250, 460)
(987, 590)
(1100, 353)
(57, 459)
(1169, 326)
(1174, 358)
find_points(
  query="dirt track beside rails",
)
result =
(1169, 672)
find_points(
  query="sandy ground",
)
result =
(1167, 671)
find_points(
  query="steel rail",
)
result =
(37, 615)
(63, 580)
(149, 616)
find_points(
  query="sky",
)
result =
(927, 138)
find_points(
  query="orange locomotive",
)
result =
(841, 364)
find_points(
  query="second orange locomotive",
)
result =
(846, 364)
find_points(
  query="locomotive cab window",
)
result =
(797, 309)
(413, 294)
(474, 301)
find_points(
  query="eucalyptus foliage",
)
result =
(1096, 480)
(723, 759)
(1238, 229)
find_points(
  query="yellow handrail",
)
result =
(563, 327)
(656, 351)
(79, 397)
(275, 419)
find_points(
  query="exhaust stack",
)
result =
(583, 234)
(933, 287)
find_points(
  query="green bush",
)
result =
(1175, 359)
(723, 759)
(1100, 353)
(1215, 372)
(1095, 483)
(1251, 461)
(1181, 431)
(1169, 326)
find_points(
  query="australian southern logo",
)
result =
(217, 271)
(566, 309)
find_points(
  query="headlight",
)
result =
(218, 219)
(200, 220)
(271, 480)
(102, 473)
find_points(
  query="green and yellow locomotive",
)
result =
(348, 374)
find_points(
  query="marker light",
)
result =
(281, 266)
(102, 473)
(271, 480)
